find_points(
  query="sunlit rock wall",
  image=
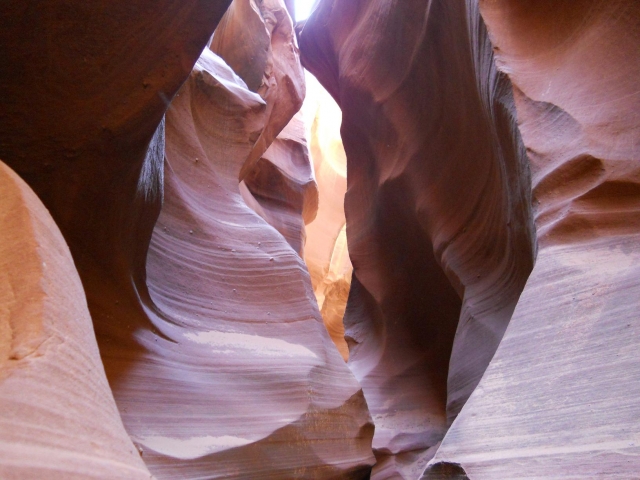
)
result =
(326, 252)
(466, 160)
(246, 314)
(242, 330)
(281, 187)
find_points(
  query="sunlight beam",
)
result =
(303, 9)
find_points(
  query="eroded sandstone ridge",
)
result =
(481, 137)
(281, 188)
(235, 303)
(213, 344)
(440, 210)
(58, 418)
(438, 214)
(560, 398)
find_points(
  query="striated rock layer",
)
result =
(83, 88)
(281, 188)
(59, 419)
(560, 398)
(232, 299)
(438, 208)
(239, 316)
(209, 381)
(257, 41)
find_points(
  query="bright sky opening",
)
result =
(303, 9)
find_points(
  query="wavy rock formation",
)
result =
(51, 427)
(188, 235)
(438, 208)
(188, 339)
(81, 100)
(83, 88)
(233, 304)
(281, 188)
(326, 253)
(237, 316)
(257, 40)
(560, 398)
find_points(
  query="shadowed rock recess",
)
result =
(159, 198)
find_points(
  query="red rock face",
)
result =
(59, 419)
(560, 398)
(236, 308)
(83, 87)
(281, 188)
(425, 113)
(210, 337)
(438, 219)
(257, 41)
(214, 349)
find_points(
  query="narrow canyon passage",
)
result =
(326, 252)
(331, 239)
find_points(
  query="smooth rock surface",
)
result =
(237, 321)
(285, 405)
(281, 187)
(58, 417)
(83, 89)
(560, 398)
(257, 40)
(439, 224)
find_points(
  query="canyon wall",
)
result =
(281, 187)
(59, 419)
(158, 184)
(237, 304)
(206, 321)
(439, 224)
(560, 398)
(83, 87)
(443, 193)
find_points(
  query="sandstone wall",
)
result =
(212, 343)
(560, 398)
(441, 203)
(439, 224)
(234, 304)
(481, 137)
(59, 419)
(83, 88)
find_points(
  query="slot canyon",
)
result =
(381, 239)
